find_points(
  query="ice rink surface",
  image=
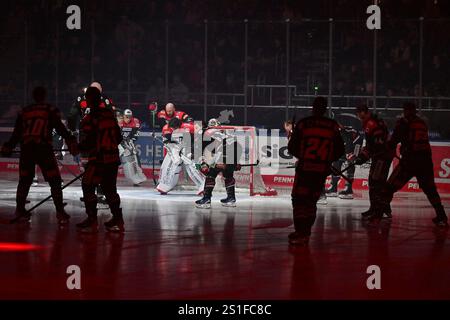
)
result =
(171, 250)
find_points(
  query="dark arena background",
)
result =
(252, 65)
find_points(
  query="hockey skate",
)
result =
(375, 219)
(161, 192)
(440, 220)
(116, 223)
(89, 225)
(347, 193)
(296, 239)
(229, 201)
(62, 217)
(367, 214)
(387, 214)
(203, 203)
(21, 216)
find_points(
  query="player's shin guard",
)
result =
(90, 224)
(230, 200)
(57, 195)
(23, 188)
(205, 202)
(21, 215)
(347, 193)
(332, 190)
(210, 183)
(304, 212)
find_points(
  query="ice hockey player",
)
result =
(80, 107)
(33, 130)
(178, 138)
(352, 141)
(217, 160)
(100, 136)
(376, 149)
(316, 142)
(77, 112)
(169, 112)
(288, 125)
(416, 161)
(127, 150)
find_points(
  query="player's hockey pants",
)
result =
(305, 193)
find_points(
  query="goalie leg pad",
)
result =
(132, 171)
(169, 174)
(196, 176)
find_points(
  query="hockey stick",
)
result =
(338, 172)
(44, 200)
(249, 164)
(276, 165)
(334, 171)
(353, 163)
(153, 146)
(59, 150)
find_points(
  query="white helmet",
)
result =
(97, 85)
(213, 122)
(128, 113)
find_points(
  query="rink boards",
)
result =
(273, 160)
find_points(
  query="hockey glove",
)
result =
(204, 168)
(351, 157)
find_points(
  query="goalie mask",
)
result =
(213, 122)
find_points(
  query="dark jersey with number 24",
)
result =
(316, 142)
(100, 136)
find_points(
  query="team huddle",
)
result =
(101, 138)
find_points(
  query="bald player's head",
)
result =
(170, 109)
(97, 85)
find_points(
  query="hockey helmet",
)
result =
(128, 113)
(213, 122)
(97, 85)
